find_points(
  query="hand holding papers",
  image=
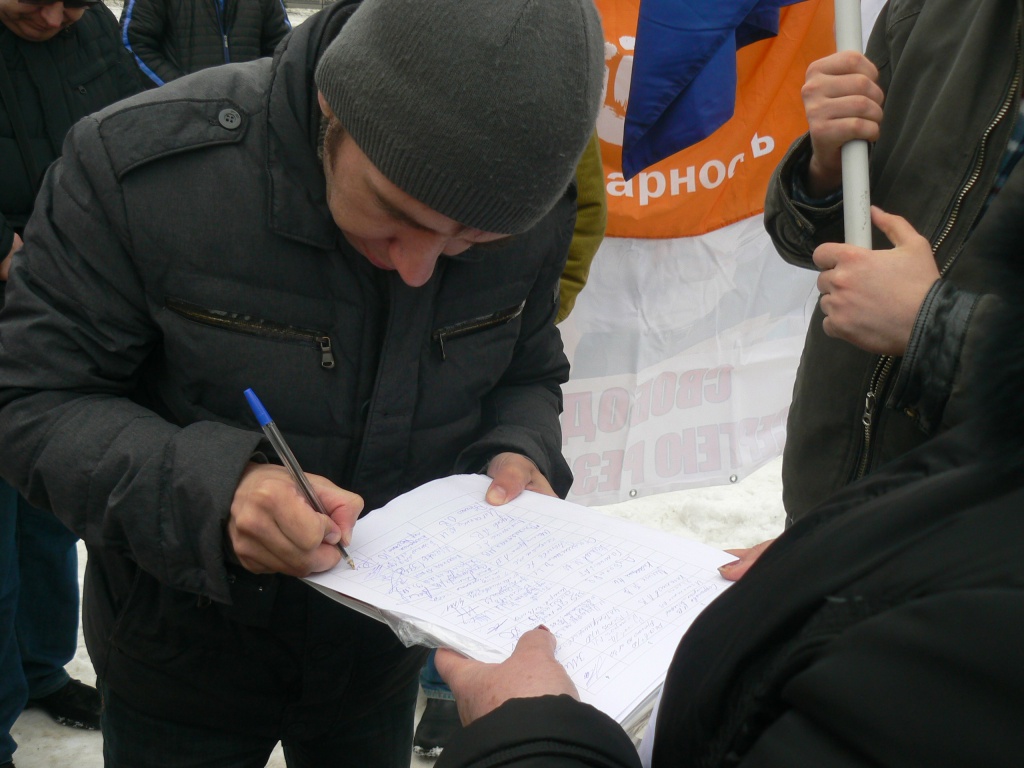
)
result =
(444, 568)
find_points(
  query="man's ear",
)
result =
(324, 106)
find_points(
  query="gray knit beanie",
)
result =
(478, 108)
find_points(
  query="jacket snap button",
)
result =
(229, 118)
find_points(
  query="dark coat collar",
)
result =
(293, 117)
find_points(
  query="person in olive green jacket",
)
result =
(591, 221)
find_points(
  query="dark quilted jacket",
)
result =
(80, 70)
(182, 251)
(171, 38)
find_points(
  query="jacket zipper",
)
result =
(878, 380)
(220, 7)
(476, 324)
(885, 363)
(255, 326)
(1010, 101)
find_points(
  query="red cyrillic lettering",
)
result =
(688, 395)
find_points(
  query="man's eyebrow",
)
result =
(399, 215)
(394, 212)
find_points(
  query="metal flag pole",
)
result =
(856, 191)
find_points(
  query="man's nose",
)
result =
(414, 255)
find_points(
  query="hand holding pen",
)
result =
(273, 527)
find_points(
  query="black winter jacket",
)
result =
(951, 71)
(183, 251)
(882, 629)
(80, 70)
(171, 38)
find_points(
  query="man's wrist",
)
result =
(800, 190)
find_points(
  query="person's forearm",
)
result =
(276, 26)
(797, 227)
(72, 349)
(542, 732)
(142, 33)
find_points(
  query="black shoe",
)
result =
(76, 705)
(8, 764)
(439, 723)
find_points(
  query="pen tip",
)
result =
(351, 563)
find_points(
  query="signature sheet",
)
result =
(443, 567)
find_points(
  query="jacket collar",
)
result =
(297, 207)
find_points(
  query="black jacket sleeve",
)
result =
(275, 26)
(143, 32)
(75, 332)
(936, 682)
(542, 732)
(795, 227)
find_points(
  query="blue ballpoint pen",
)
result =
(290, 462)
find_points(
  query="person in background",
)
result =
(171, 38)
(895, 328)
(59, 61)
(588, 232)
(882, 628)
(938, 96)
(374, 248)
(440, 718)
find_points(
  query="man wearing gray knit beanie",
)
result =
(368, 230)
(476, 111)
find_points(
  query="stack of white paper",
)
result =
(444, 568)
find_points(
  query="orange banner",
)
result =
(723, 178)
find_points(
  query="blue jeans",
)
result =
(38, 607)
(434, 687)
(380, 737)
